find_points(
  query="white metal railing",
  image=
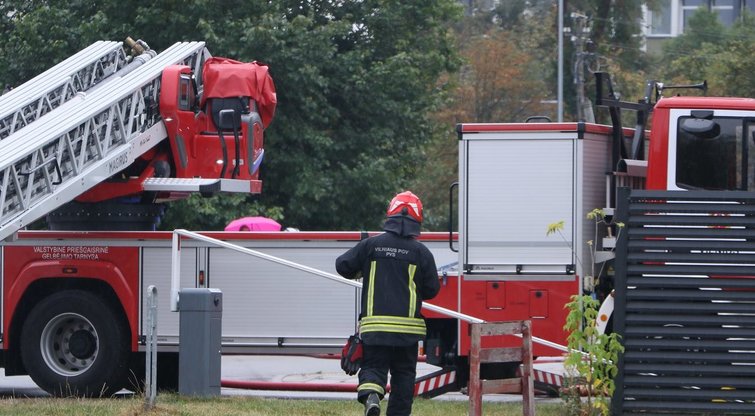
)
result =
(175, 281)
(150, 379)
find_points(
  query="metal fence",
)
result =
(685, 302)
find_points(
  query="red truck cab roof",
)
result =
(713, 103)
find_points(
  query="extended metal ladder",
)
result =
(85, 140)
(23, 105)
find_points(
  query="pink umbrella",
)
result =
(253, 224)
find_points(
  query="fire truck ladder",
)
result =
(23, 105)
(85, 140)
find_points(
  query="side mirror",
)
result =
(227, 119)
(702, 128)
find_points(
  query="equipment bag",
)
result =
(351, 355)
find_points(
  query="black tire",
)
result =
(74, 344)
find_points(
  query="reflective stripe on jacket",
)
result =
(399, 273)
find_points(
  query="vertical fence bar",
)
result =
(528, 378)
(623, 201)
(475, 385)
(175, 271)
(150, 382)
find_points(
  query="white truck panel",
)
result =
(272, 301)
(514, 190)
(265, 305)
(593, 164)
(513, 184)
(156, 271)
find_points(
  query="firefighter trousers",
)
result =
(401, 362)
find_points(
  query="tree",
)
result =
(214, 213)
(709, 51)
(353, 137)
(614, 35)
(683, 60)
(38, 34)
(500, 81)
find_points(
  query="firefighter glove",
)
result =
(351, 355)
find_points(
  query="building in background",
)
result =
(667, 22)
(672, 17)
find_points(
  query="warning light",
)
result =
(603, 317)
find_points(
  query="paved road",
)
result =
(273, 369)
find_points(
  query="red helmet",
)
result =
(406, 203)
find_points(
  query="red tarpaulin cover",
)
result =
(225, 78)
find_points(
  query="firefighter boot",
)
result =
(372, 405)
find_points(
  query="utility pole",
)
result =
(580, 37)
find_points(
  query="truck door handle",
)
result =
(451, 216)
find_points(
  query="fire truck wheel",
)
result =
(74, 344)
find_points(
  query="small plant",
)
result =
(591, 363)
(598, 217)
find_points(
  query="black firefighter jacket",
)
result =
(399, 273)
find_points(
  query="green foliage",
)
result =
(686, 60)
(353, 125)
(616, 31)
(199, 213)
(591, 362)
(37, 34)
(709, 51)
(483, 90)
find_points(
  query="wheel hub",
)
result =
(69, 344)
(82, 344)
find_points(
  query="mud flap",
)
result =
(549, 375)
(437, 383)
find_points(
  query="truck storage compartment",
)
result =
(514, 183)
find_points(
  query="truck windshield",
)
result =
(721, 159)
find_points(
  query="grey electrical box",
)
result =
(201, 313)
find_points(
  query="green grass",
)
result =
(174, 405)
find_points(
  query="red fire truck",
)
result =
(99, 140)
(94, 143)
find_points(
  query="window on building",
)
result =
(689, 7)
(672, 16)
(660, 19)
(727, 10)
(727, 14)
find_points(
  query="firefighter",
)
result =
(399, 273)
